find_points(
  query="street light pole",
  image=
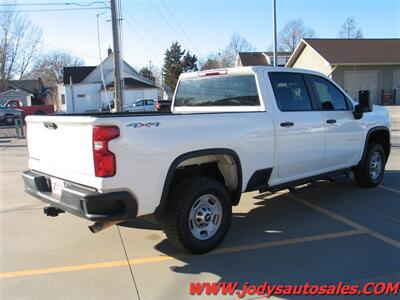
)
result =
(274, 28)
(118, 78)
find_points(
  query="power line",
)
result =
(53, 4)
(149, 33)
(144, 41)
(181, 28)
(54, 46)
(169, 25)
(54, 10)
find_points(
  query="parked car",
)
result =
(8, 115)
(163, 105)
(141, 105)
(230, 131)
(30, 110)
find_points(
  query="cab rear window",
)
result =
(218, 91)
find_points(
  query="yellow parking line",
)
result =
(389, 189)
(346, 221)
(102, 265)
(158, 259)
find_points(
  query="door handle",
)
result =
(331, 121)
(287, 124)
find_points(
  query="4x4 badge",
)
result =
(141, 125)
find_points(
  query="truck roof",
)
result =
(244, 71)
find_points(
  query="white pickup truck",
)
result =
(230, 131)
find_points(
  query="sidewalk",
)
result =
(394, 112)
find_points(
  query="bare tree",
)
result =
(50, 66)
(236, 44)
(292, 33)
(349, 30)
(19, 43)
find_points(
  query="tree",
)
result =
(292, 33)
(236, 44)
(211, 63)
(147, 73)
(49, 67)
(349, 30)
(177, 61)
(226, 58)
(19, 43)
(189, 62)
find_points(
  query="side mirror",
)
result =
(364, 104)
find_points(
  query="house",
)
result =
(244, 59)
(83, 89)
(14, 93)
(28, 91)
(355, 64)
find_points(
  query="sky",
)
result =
(202, 26)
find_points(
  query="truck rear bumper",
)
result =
(82, 201)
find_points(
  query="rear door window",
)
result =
(149, 102)
(290, 91)
(329, 96)
(240, 90)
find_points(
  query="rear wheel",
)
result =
(370, 173)
(198, 214)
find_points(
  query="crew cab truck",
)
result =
(230, 131)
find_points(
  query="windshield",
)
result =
(238, 90)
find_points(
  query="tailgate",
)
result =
(61, 146)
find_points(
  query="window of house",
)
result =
(327, 94)
(238, 90)
(81, 95)
(290, 91)
(62, 99)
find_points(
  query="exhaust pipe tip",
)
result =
(97, 227)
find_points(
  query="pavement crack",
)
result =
(130, 265)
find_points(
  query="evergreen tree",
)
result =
(176, 61)
(147, 73)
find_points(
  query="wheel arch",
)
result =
(381, 135)
(235, 194)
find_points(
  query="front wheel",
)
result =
(198, 214)
(370, 173)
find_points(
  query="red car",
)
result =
(30, 110)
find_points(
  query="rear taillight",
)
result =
(158, 105)
(104, 160)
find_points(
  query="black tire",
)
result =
(181, 200)
(364, 172)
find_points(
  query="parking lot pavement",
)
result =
(324, 234)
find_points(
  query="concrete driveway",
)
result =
(326, 234)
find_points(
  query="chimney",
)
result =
(109, 51)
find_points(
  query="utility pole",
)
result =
(118, 77)
(274, 26)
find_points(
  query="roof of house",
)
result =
(253, 58)
(278, 53)
(15, 90)
(76, 74)
(28, 85)
(352, 51)
(258, 58)
(131, 83)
